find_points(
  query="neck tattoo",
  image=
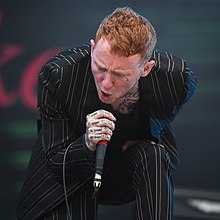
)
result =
(126, 104)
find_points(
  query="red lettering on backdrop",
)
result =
(29, 78)
(9, 51)
(27, 86)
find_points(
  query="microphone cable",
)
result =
(100, 154)
(69, 217)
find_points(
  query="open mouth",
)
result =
(106, 94)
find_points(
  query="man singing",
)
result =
(118, 88)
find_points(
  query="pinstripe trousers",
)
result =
(142, 173)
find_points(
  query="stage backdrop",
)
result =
(32, 31)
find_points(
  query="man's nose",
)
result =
(108, 80)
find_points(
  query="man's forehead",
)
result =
(117, 64)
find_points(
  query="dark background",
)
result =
(32, 31)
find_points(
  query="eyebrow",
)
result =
(116, 72)
(100, 65)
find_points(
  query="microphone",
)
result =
(100, 154)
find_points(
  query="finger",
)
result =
(101, 114)
(95, 138)
(100, 130)
(95, 130)
(101, 123)
(106, 123)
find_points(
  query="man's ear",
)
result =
(148, 67)
(92, 43)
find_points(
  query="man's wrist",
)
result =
(91, 146)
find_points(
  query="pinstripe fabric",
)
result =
(142, 173)
(66, 94)
(172, 84)
(79, 209)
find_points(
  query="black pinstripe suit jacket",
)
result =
(66, 94)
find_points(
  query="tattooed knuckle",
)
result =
(102, 111)
(88, 124)
(111, 132)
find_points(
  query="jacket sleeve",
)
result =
(59, 133)
(189, 85)
(173, 85)
(168, 136)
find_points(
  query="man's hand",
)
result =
(99, 126)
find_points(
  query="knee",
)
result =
(153, 153)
